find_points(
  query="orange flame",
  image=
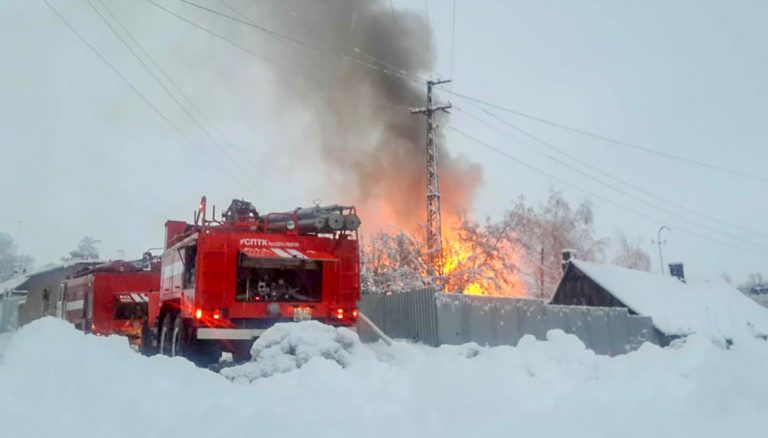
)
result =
(469, 270)
(466, 267)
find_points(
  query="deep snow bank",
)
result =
(5, 339)
(287, 347)
(55, 381)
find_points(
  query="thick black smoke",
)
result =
(370, 143)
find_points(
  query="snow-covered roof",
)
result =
(714, 309)
(14, 283)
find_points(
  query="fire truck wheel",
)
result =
(206, 354)
(166, 330)
(242, 352)
(147, 347)
(179, 338)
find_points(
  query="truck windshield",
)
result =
(271, 279)
(130, 310)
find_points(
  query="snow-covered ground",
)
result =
(57, 382)
(5, 339)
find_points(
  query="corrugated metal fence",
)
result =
(9, 312)
(408, 315)
(437, 318)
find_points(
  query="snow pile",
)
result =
(287, 346)
(55, 381)
(5, 339)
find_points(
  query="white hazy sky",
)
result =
(81, 154)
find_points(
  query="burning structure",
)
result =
(368, 63)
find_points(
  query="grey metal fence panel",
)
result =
(599, 332)
(641, 330)
(9, 312)
(438, 318)
(408, 315)
(503, 321)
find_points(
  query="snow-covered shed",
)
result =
(41, 287)
(678, 308)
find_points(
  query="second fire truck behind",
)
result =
(225, 281)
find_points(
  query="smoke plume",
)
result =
(371, 145)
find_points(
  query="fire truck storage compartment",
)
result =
(265, 279)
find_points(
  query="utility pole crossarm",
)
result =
(443, 108)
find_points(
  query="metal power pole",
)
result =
(660, 242)
(434, 228)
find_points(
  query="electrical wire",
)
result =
(453, 46)
(613, 140)
(167, 77)
(598, 196)
(391, 70)
(636, 198)
(134, 89)
(618, 180)
(387, 70)
(413, 94)
(429, 25)
(220, 146)
(306, 76)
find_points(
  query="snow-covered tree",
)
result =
(482, 259)
(86, 250)
(517, 256)
(476, 259)
(10, 262)
(630, 255)
(545, 231)
(393, 262)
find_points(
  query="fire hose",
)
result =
(387, 340)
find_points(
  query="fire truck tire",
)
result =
(147, 347)
(166, 330)
(206, 354)
(179, 339)
(242, 352)
(201, 354)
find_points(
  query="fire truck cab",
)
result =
(225, 281)
(110, 298)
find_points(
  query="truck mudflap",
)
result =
(234, 334)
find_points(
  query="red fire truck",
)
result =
(110, 298)
(225, 281)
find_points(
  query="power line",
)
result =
(388, 70)
(221, 147)
(429, 24)
(588, 192)
(131, 86)
(620, 181)
(306, 23)
(453, 44)
(613, 140)
(223, 38)
(308, 77)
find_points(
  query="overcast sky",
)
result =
(82, 154)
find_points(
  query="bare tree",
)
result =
(11, 263)
(630, 255)
(546, 231)
(754, 284)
